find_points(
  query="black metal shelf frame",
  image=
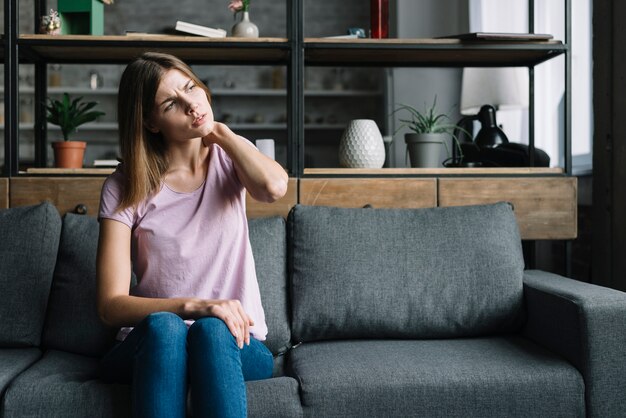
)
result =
(295, 54)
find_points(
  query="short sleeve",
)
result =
(110, 198)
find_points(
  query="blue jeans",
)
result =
(161, 355)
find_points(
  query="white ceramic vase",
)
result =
(244, 28)
(361, 145)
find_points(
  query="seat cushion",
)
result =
(28, 251)
(66, 385)
(405, 273)
(486, 377)
(268, 238)
(72, 323)
(13, 361)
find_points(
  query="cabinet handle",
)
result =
(81, 209)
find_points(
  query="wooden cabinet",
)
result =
(68, 194)
(377, 192)
(545, 207)
(82, 195)
(4, 193)
(281, 207)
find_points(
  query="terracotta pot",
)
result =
(69, 154)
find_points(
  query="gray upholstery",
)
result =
(72, 323)
(274, 398)
(405, 273)
(586, 325)
(485, 377)
(28, 249)
(66, 385)
(268, 238)
(13, 361)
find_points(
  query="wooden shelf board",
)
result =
(434, 171)
(121, 49)
(428, 52)
(51, 170)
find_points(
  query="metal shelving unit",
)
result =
(295, 52)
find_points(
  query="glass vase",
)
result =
(379, 19)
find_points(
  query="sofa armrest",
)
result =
(586, 324)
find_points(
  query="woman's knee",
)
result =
(211, 329)
(164, 327)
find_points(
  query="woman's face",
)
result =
(181, 110)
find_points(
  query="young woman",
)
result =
(174, 212)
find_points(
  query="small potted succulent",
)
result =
(431, 131)
(69, 114)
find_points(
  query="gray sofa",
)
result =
(371, 313)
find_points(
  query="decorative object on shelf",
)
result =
(358, 32)
(429, 137)
(82, 17)
(266, 147)
(491, 147)
(244, 28)
(361, 145)
(69, 114)
(54, 76)
(95, 80)
(379, 19)
(50, 24)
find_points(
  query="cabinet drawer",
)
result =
(281, 207)
(65, 193)
(4, 193)
(380, 193)
(546, 208)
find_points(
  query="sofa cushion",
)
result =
(405, 273)
(13, 361)
(67, 385)
(28, 250)
(268, 238)
(482, 377)
(72, 322)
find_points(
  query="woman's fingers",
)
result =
(236, 319)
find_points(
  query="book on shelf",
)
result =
(105, 163)
(199, 30)
(499, 36)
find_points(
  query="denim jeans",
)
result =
(162, 355)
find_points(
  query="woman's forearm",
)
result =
(125, 310)
(263, 177)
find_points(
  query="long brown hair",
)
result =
(144, 153)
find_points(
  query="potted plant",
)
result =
(69, 114)
(431, 130)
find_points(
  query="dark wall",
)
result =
(609, 153)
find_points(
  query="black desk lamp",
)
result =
(490, 135)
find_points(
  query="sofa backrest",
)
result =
(404, 273)
(268, 238)
(72, 322)
(28, 249)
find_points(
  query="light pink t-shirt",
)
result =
(192, 244)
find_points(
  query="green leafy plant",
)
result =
(427, 122)
(430, 121)
(70, 114)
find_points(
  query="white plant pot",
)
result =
(361, 145)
